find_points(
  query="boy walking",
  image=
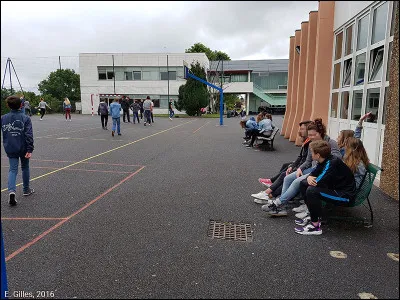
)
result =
(135, 106)
(147, 106)
(115, 109)
(18, 145)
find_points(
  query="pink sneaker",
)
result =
(265, 181)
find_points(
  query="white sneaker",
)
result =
(262, 201)
(300, 209)
(302, 215)
(261, 195)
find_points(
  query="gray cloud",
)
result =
(244, 30)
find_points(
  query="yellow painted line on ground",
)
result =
(201, 127)
(97, 155)
(338, 254)
(366, 296)
(394, 256)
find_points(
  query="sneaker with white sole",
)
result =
(268, 206)
(11, 199)
(277, 211)
(262, 201)
(29, 192)
(303, 222)
(302, 215)
(300, 209)
(261, 195)
(309, 229)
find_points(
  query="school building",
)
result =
(343, 63)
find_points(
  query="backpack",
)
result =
(103, 109)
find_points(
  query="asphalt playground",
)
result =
(128, 217)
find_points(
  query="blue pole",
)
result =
(221, 108)
(4, 287)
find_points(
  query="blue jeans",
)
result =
(135, 116)
(171, 113)
(13, 172)
(291, 185)
(147, 116)
(116, 122)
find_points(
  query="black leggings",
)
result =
(313, 196)
(42, 112)
(104, 120)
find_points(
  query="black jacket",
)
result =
(334, 174)
(302, 156)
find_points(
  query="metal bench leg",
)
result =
(372, 214)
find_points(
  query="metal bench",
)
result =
(267, 142)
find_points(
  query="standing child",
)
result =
(67, 109)
(115, 109)
(42, 105)
(147, 106)
(171, 110)
(102, 110)
(135, 109)
(18, 145)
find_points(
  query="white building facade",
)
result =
(360, 80)
(104, 76)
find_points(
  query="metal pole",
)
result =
(168, 78)
(221, 107)
(59, 61)
(16, 75)
(113, 72)
(222, 80)
(5, 72)
(9, 69)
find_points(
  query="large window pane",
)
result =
(360, 69)
(388, 62)
(336, 76)
(395, 5)
(384, 106)
(339, 40)
(110, 74)
(373, 104)
(137, 75)
(128, 76)
(164, 75)
(347, 72)
(345, 105)
(379, 23)
(334, 105)
(349, 40)
(362, 32)
(356, 106)
(172, 75)
(376, 64)
(102, 74)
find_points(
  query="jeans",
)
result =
(116, 122)
(147, 116)
(171, 113)
(104, 120)
(135, 116)
(291, 185)
(12, 173)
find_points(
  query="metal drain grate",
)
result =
(230, 231)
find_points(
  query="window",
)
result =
(362, 32)
(373, 104)
(339, 40)
(356, 107)
(110, 74)
(345, 105)
(164, 75)
(379, 23)
(137, 75)
(334, 105)
(395, 6)
(172, 75)
(384, 106)
(150, 74)
(347, 72)
(128, 76)
(360, 69)
(336, 75)
(156, 102)
(282, 87)
(102, 74)
(349, 40)
(388, 62)
(375, 73)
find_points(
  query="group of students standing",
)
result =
(144, 107)
(325, 171)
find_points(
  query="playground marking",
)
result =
(87, 170)
(90, 163)
(201, 127)
(32, 219)
(38, 238)
(338, 254)
(100, 154)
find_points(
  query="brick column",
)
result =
(289, 86)
(389, 181)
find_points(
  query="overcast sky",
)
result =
(34, 34)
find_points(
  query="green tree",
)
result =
(211, 55)
(60, 84)
(230, 101)
(4, 94)
(193, 95)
